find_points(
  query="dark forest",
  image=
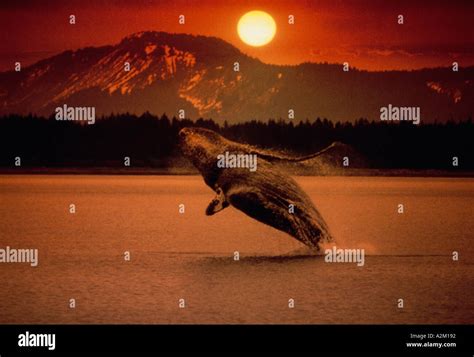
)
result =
(151, 141)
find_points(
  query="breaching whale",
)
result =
(266, 194)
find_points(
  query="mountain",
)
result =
(169, 72)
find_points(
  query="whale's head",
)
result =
(202, 146)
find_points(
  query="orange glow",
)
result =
(365, 34)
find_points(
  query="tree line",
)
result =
(151, 141)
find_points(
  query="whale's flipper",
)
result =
(270, 156)
(309, 228)
(217, 204)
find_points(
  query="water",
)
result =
(190, 255)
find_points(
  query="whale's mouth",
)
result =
(188, 140)
(182, 136)
(197, 148)
(198, 143)
(184, 142)
(183, 133)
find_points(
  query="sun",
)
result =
(256, 28)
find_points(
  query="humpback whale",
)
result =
(267, 194)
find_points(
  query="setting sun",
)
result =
(256, 28)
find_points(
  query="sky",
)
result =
(364, 33)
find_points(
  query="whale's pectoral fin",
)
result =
(217, 204)
(334, 154)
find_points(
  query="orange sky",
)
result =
(363, 33)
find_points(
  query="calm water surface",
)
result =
(190, 255)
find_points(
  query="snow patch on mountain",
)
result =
(454, 93)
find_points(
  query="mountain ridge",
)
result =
(173, 72)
